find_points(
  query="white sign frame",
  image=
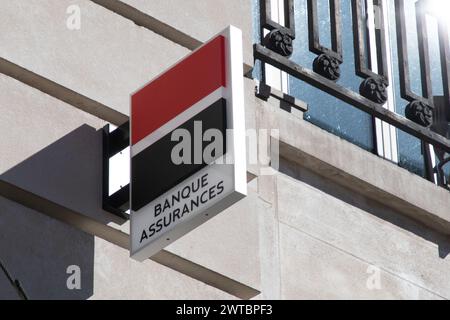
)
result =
(234, 170)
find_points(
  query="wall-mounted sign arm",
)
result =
(114, 142)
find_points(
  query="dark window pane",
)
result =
(326, 111)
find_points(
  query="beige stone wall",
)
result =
(330, 220)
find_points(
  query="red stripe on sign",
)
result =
(177, 89)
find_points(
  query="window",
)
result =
(398, 45)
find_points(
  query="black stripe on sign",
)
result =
(153, 171)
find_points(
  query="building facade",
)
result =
(347, 111)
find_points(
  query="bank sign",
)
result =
(188, 157)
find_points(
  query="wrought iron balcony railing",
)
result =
(425, 115)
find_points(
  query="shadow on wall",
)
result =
(38, 250)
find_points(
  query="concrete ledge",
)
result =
(199, 20)
(167, 31)
(144, 20)
(62, 93)
(439, 221)
(106, 60)
(356, 169)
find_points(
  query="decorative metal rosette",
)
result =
(327, 66)
(374, 88)
(279, 41)
(419, 112)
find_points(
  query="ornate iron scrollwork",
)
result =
(328, 61)
(374, 88)
(327, 66)
(279, 41)
(280, 37)
(375, 84)
(371, 64)
(419, 112)
(420, 108)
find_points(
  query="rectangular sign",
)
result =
(188, 157)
